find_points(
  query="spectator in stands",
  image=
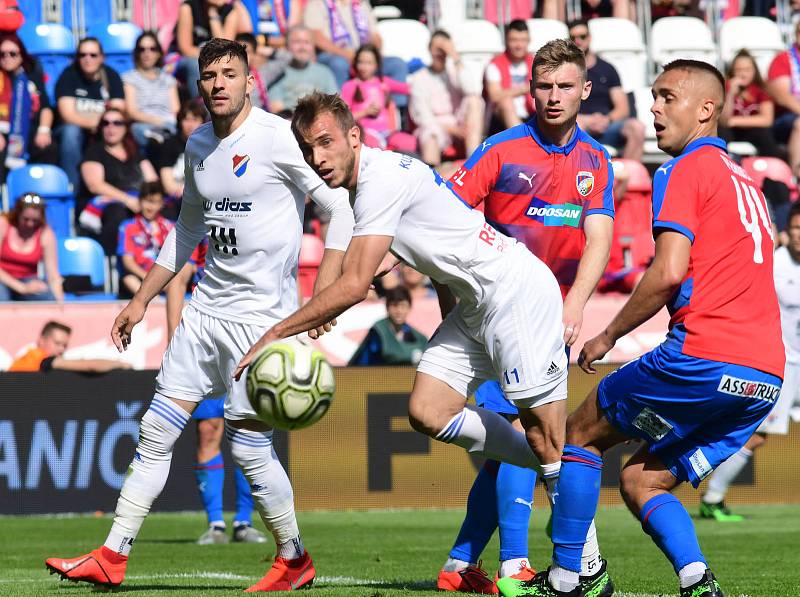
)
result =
(169, 158)
(26, 241)
(784, 87)
(198, 22)
(676, 8)
(275, 18)
(141, 238)
(302, 75)
(590, 9)
(24, 108)
(83, 91)
(391, 341)
(749, 112)
(606, 114)
(48, 354)
(151, 95)
(441, 107)
(340, 27)
(257, 63)
(507, 79)
(111, 174)
(369, 96)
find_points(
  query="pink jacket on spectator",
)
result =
(376, 91)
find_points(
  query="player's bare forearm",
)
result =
(330, 268)
(154, 282)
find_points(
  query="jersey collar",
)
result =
(702, 142)
(533, 128)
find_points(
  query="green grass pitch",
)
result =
(383, 554)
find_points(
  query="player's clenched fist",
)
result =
(132, 314)
(594, 350)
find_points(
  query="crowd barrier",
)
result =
(66, 440)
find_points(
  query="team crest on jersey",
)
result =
(240, 164)
(584, 182)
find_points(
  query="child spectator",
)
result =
(83, 92)
(111, 175)
(151, 95)
(141, 238)
(26, 118)
(369, 97)
(26, 241)
(749, 112)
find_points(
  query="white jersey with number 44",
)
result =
(246, 192)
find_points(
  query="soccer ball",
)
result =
(290, 384)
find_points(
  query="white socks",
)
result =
(270, 486)
(511, 567)
(550, 474)
(483, 432)
(725, 474)
(160, 428)
(454, 565)
(562, 579)
(691, 573)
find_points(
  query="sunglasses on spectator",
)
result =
(32, 199)
(10, 54)
(88, 54)
(113, 123)
(154, 49)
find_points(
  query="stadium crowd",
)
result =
(119, 134)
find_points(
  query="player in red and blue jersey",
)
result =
(549, 185)
(697, 397)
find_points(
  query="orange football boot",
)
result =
(286, 575)
(101, 567)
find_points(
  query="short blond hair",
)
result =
(557, 52)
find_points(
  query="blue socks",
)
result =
(668, 523)
(515, 487)
(481, 519)
(244, 500)
(577, 491)
(210, 481)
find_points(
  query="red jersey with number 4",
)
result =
(540, 193)
(726, 308)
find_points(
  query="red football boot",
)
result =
(101, 567)
(286, 575)
(473, 579)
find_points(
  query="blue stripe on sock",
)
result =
(256, 442)
(171, 407)
(451, 431)
(167, 415)
(263, 439)
(668, 523)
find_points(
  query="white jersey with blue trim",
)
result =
(247, 193)
(434, 231)
(787, 285)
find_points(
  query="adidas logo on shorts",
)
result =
(552, 369)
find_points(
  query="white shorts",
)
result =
(201, 358)
(516, 338)
(777, 422)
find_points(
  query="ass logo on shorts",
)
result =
(652, 424)
(736, 386)
(240, 164)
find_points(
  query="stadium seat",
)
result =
(82, 16)
(775, 168)
(405, 39)
(543, 31)
(54, 47)
(619, 41)
(82, 263)
(118, 41)
(51, 183)
(760, 36)
(386, 11)
(643, 99)
(477, 41)
(681, 37)
(311, 250)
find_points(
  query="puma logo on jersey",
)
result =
(227, 205)
(528, 179)
(524, 503)
(665, 168)
(484, 145)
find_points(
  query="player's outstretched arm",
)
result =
(154, 282)
(330, 268)
(660, 281)
(361, 261)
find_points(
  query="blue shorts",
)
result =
(210, 408)
(693, 413)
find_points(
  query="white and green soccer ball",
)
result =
(290, 384)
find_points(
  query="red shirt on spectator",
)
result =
(142, 239)
(748, 103)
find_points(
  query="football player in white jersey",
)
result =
(506, 325)
(246, 183)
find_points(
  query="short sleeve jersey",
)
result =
(433, 231)
(726, 308)
(142, 240)
(540, 193)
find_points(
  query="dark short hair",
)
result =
(698, 65)
(247, 38)
(517, 25)
(577, 23)
(557, 52)
(440, 33)
(311, 106)
(52, 326)
(152, 187)
(193, 107)
(217, 49)
(137, 52)
(398, 294)
(794, 211)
